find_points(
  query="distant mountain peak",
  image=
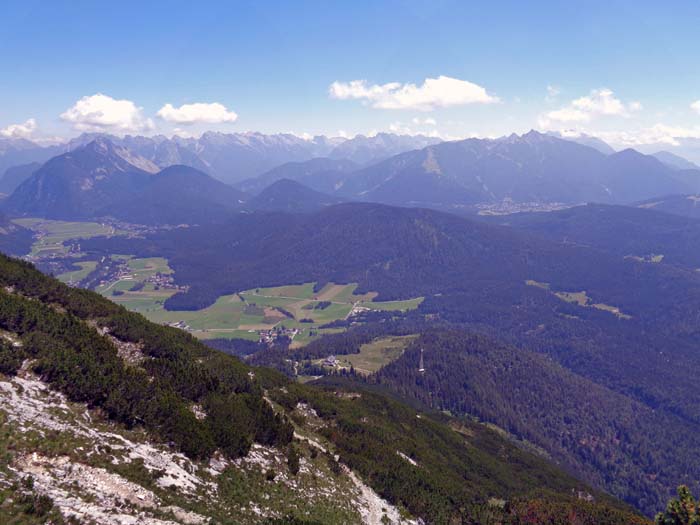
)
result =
(631, 153)
(181, 169)
(531, 137)
(291, 196)
(532, 134)
(104, 147)
(675, 161)
(370, 150)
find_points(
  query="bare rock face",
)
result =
(109, 476)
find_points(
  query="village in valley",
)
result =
(289, 315)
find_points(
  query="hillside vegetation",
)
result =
(154, 385)
(589, 314)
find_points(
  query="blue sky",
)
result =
(624, 70)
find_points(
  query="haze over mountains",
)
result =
(230, 157)
(528, 168)
(291, 196)
(354, 263)
(459, 175)
(81, 183)
(553, 296)
(16, 152)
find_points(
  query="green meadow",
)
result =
(376, 354)
(243, 314)
(78, 275)
(50, 234)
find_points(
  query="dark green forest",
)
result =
(463, 465)
(474, 279)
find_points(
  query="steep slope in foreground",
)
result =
(91, 394)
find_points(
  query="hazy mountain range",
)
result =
(523, 168)
(105, 177)
(15, 152)
(229, 157)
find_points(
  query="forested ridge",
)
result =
(462, 466)
(471, 274)
(444, 479)
(622, 230)
(14, 239)
(176, 372)
(497, 282)
(610, 439)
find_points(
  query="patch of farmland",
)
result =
(244, 314)
(377, 354)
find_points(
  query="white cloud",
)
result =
(598, 103)
(198, 113)
(568, 114)
(103, 113)
(424, 122)
(20, 131)
(656, 134)
(400, 129)
(433, 93)
(184, 133)
(695, 106)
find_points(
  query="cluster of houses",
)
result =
(508, 206)
(133, 229)
(356, 309)
(331, 361)
(270, 336)
(165, 281)
(120, 272)
(180, 324)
